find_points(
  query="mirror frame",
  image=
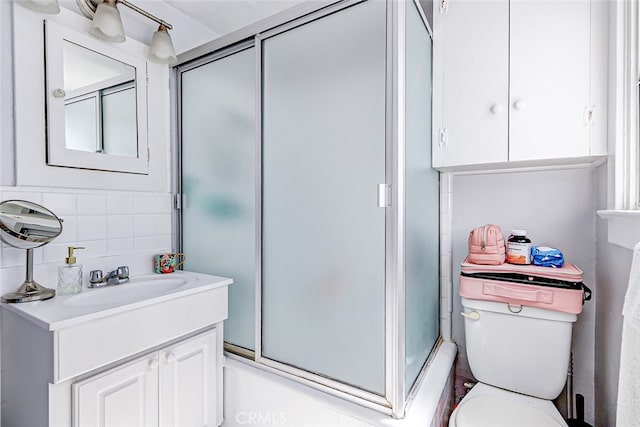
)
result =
(57, 153)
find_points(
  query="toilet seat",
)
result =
(487, 406)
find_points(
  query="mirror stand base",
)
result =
(29, 291)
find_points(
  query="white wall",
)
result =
(6, 92)
(557, 208)
(613, 265)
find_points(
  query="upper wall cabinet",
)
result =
(88, 114)
(518, 81)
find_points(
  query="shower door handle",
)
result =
(384, 195)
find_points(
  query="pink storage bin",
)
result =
(557, 289)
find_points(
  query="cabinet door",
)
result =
(550, 79)
(188, 377)
(472, 49)
(122, 397)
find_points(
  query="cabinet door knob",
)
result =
(153, 363)
(59, 93)
(171, 357)
(520, 104)
(496, 108)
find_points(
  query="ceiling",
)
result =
(225, 16)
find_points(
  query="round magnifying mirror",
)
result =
(27, 225)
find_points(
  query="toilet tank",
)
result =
(523, 349)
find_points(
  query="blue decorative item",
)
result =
(546, 257)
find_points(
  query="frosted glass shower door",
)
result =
(422, 211)
(218, 181)
(323, 265)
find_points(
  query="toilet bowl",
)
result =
(488, 406)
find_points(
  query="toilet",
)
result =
(520, 357)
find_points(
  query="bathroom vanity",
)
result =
(144, 353)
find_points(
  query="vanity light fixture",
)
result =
(161, 49)
(44, 6)
(107, 25)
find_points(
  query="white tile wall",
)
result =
(107, 223)
(60, 203)
(145, 204)
(14, 194)
(93, 249)
(92, 227)
(446, 247)
(12, 257)
(120, 246)
(164, 203)
(163, 223)
(120, 226)
(58, 252)
(92, 204)
(163, 242)
(144, 243)
(145, 225)
(69, 229)
(120, 204)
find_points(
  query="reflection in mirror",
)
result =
(100, 103)
(26, 225)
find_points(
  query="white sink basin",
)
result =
(144, 292)
(137, 289)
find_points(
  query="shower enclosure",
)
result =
(305, 175)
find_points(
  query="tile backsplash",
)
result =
(109, 224)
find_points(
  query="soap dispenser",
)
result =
(70, 274)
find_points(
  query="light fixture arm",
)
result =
(88, 9)
(107, 25)
(145, 13)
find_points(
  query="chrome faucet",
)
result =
(115, 277)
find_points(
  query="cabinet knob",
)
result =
(171, 357)
(520, 104)
(497, 108)
(59, 93)
(153, 363)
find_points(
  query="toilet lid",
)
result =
(493, 411)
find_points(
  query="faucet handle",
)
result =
(95, 276)
(123, 272)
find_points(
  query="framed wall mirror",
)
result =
(96, 99)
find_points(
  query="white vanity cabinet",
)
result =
(173, 387)
(518, 80)
(123, 396)
(145, 353)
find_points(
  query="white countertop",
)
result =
(63, 311)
